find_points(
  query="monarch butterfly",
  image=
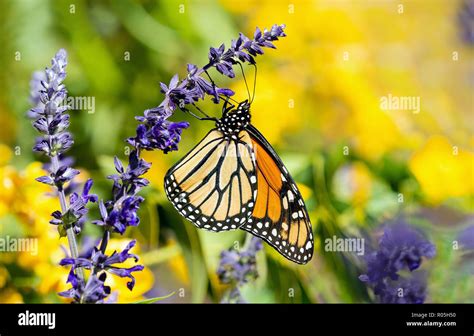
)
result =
(234, 179)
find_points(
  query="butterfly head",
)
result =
(234, 119)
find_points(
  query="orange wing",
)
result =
(214, 185)
(279, 215)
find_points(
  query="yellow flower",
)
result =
(443, 170)
(31, 203)
(158, 169)
(334, 53)
(144, 278)
(5, 154)
(275, 111)
(10, 295)
(3, 277)
(306, 192)
(179, 267)
(352, 183)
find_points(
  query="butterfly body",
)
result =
(233, 179)
(234, 121)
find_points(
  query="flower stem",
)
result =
(71, 237)
(248, 241)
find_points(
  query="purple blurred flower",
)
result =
(233, 296)
(239, 267)
(400, 248)
(466, 237)
(410, 290)
(35, 91)
(466, 21)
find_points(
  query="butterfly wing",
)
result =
(279, 216)
(214, 185)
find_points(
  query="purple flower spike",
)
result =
(400, 248)
(48, 94)
(156, 132)
(238, 268)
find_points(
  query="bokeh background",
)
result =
(317, 101)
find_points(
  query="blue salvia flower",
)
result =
(49, 108)
(60, 177)
(222, 61)
(237, 268)
(401, 248)
(51, 120)
(121, 212)
(405, 290)
(155, 131)
(158, 133)
(94, 291)
(98, 262)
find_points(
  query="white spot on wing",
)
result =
(291, 197)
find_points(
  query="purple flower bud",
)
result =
(239, 267)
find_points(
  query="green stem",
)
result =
(248, 240)
(71, 237)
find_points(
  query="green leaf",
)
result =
(155, 299)
(190, 243)
(62, 231)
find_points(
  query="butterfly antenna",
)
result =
(245, 79)
(203, 113)
(254, 83)
(191, 113)
(228, 98)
